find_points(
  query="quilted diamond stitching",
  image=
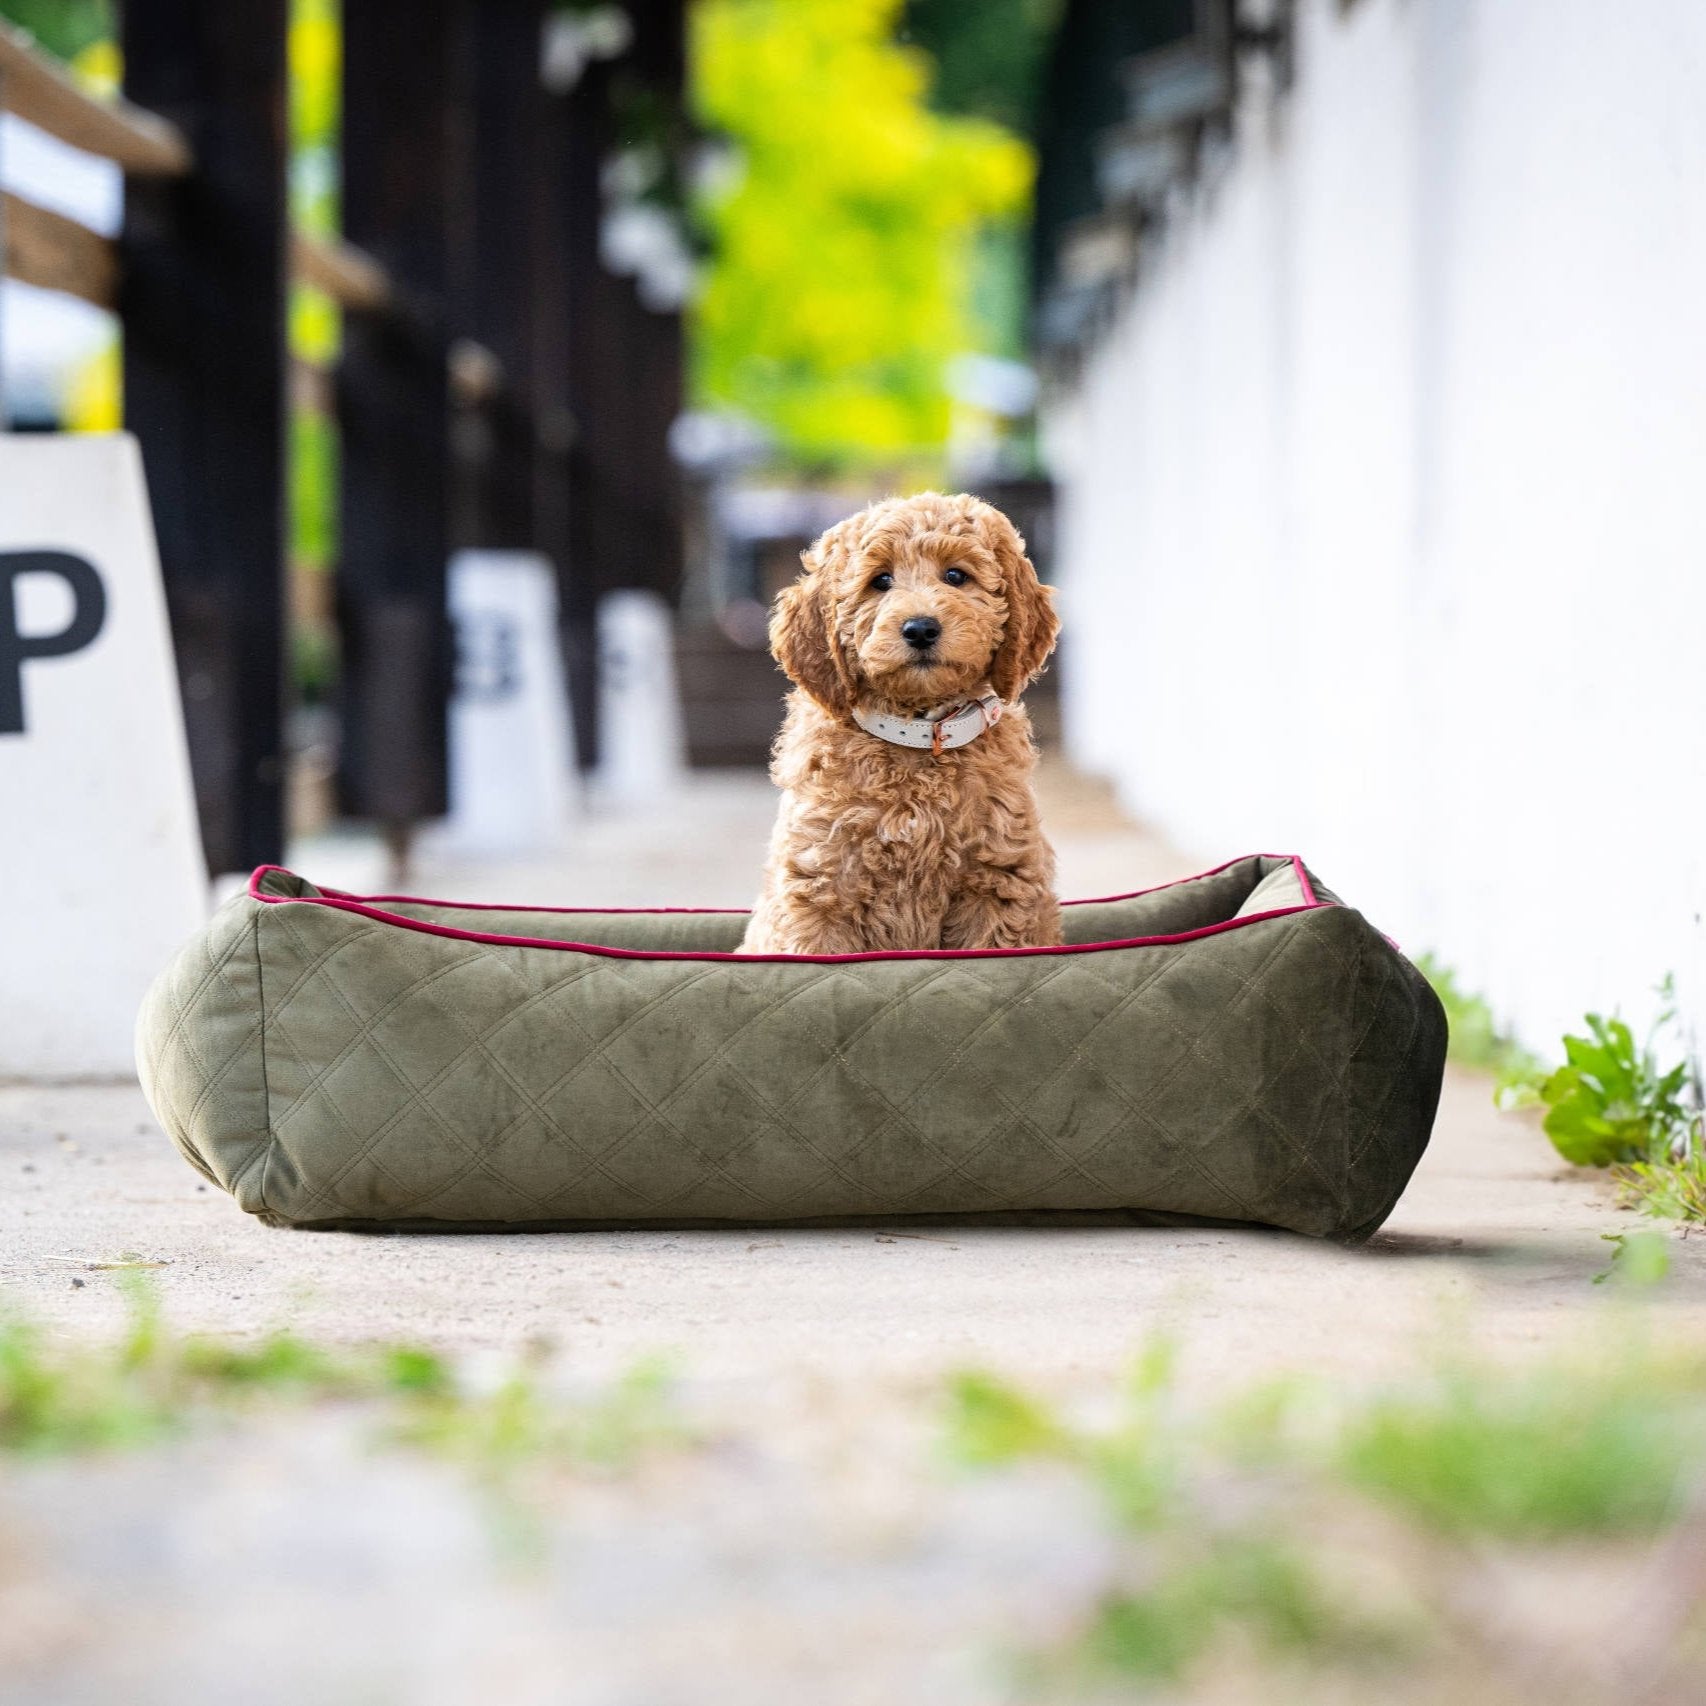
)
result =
(178, 1036)
(174, 1036)
(900, 1113)
(778, 1111)
(418, 1101)
(577, 994)
(1015, 1116)
(1077, 1054)
(320, 966)
(1377, 1125)
(1250, 1107)
(323, 964)
(479, 1160)
(318, 1091)
(1302, 1155)
(480, 1042)
(1070, 1163)
(655, 1111)
(770, 1010)
(1193, 1046)
(1333, 1077)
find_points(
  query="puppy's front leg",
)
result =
(799, 920)
(998, 908)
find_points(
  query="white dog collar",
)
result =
(938, 731)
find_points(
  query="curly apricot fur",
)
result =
(887, 847)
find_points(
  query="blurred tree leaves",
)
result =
(82, 32)
(989, 58)
(864, 216)
(988, 54)
(845, 225)
(64, 27)
(315, 49)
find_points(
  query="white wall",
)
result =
(1383, 530)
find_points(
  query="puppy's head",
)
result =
(913, 602)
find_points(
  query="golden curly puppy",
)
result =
(907, 817)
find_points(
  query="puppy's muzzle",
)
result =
(921, 632)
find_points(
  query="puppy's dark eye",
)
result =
(955, 577)
(882, 582)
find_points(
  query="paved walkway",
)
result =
(1491, 1214)
(820, 1353)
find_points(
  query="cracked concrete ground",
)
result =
(816, 1551)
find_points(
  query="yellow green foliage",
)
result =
(315, 49)
(93, 402)
(844, 236)
(99, 68)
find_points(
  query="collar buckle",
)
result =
(942, 730)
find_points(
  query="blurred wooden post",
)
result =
(496, 242)
(619, 514)
(585, 316)
(203, 307)
(394, 413)
(644, 385)
(554, 422)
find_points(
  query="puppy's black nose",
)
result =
(921, 631)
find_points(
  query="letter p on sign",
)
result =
(101, 873)
(88, 613)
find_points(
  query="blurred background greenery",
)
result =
(862, 197)
(868, 224)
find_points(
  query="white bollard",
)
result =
(511, 745)
(101, 870)
(642, 752)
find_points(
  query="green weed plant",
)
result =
(1561, 1451)
(1298, 1529)
(153, 1384)
(1615, 1102)
(1669, 1189)
(522, 1424)
(1611, 1101)
(1619, 1103)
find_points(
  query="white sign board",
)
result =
(101, 872)
(511, 750)
(641, 746)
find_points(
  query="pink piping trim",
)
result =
(342, 902)
(1296, 862)
(493, 905)
(637, 911)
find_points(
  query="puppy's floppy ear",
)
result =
(803, 629)
(1031, 621)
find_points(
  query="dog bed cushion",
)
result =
(1236, 1047)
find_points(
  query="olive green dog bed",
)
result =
(1236, 1047)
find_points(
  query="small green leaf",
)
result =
(1582, 1134)
(995, 1422)
(1639, 1259)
